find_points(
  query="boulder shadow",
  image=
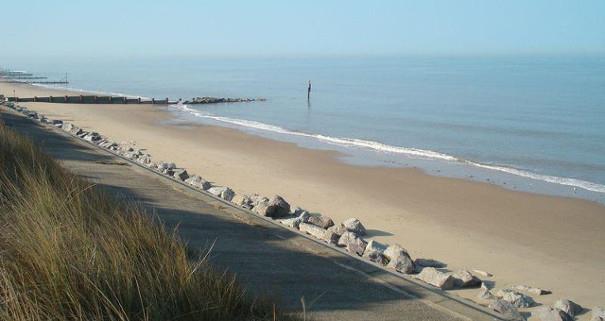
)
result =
(373, 232)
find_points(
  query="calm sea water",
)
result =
(530, 123)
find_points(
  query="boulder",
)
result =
(436, 278)
(553, 314)
(292, 222)
(311, 229)
(505, 308)
(485, 293)
(134, 155)
(538, 291)
(517, 299)
(339, 229)
(143, 159)
(322, 221)
(166, 168)
(295, 221)
(223, 192)
(161, 166)
(297, 211)
(55, 122)
(277, 207)
(331, 237)
(260, 206)
(92, 137)
(568, 307)
(352, 242)
(125, 148)
(429, 263)
(483, 273)
(598, 314)
(227, 194)
(198, 182)
(109, 144)
(246, 202)
(257, 203)
(304, 216)
(67, 127)
(180, 174)
(531, 289)
(399, 259)
(354, 225)
(464, 279)
(257, 199)
(31, 114)
(374, 252)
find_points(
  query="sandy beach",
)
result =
(522, 238)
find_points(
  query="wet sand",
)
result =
(522, 238)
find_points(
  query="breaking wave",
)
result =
(384, 148)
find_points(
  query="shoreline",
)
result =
(361, 152)
(520, 237)
(374, 153)
(430, 162)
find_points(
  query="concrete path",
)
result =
(267, 258)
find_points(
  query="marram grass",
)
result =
(69, 251)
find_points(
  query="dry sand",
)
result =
(522, 238)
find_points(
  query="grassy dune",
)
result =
(69, 251)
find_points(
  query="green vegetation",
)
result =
(69, 251)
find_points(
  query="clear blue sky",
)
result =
(264, 27)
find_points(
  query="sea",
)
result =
(531, 123)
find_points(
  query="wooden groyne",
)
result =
(23, 77)
(44, 82)
(28, 77)
(95, 99)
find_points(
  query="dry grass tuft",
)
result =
(69, 251)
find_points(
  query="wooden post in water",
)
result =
(309, 91)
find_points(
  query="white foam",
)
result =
(347, 142)
(384, 148)
(589, 186)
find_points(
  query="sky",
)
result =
(110, 28)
